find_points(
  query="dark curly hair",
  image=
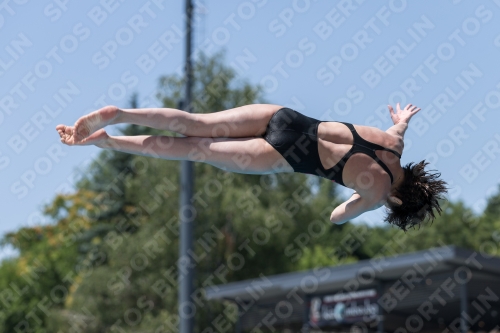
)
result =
(420, 193)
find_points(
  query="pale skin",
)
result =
(231, 140)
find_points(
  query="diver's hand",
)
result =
(403, 115)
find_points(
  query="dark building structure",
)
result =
(446, 289)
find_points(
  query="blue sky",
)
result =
(333, 60)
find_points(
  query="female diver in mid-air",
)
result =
(265, 139)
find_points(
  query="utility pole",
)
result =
(187, 214)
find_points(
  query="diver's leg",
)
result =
(244, 121)
(243, 155)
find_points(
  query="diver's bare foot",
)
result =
(94, 121)
(67, 136)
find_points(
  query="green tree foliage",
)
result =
(39, 280)
(492, 210)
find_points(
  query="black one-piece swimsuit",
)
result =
(295, 137)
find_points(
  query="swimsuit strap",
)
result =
(363, 146)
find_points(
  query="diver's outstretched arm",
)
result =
(353, 207)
